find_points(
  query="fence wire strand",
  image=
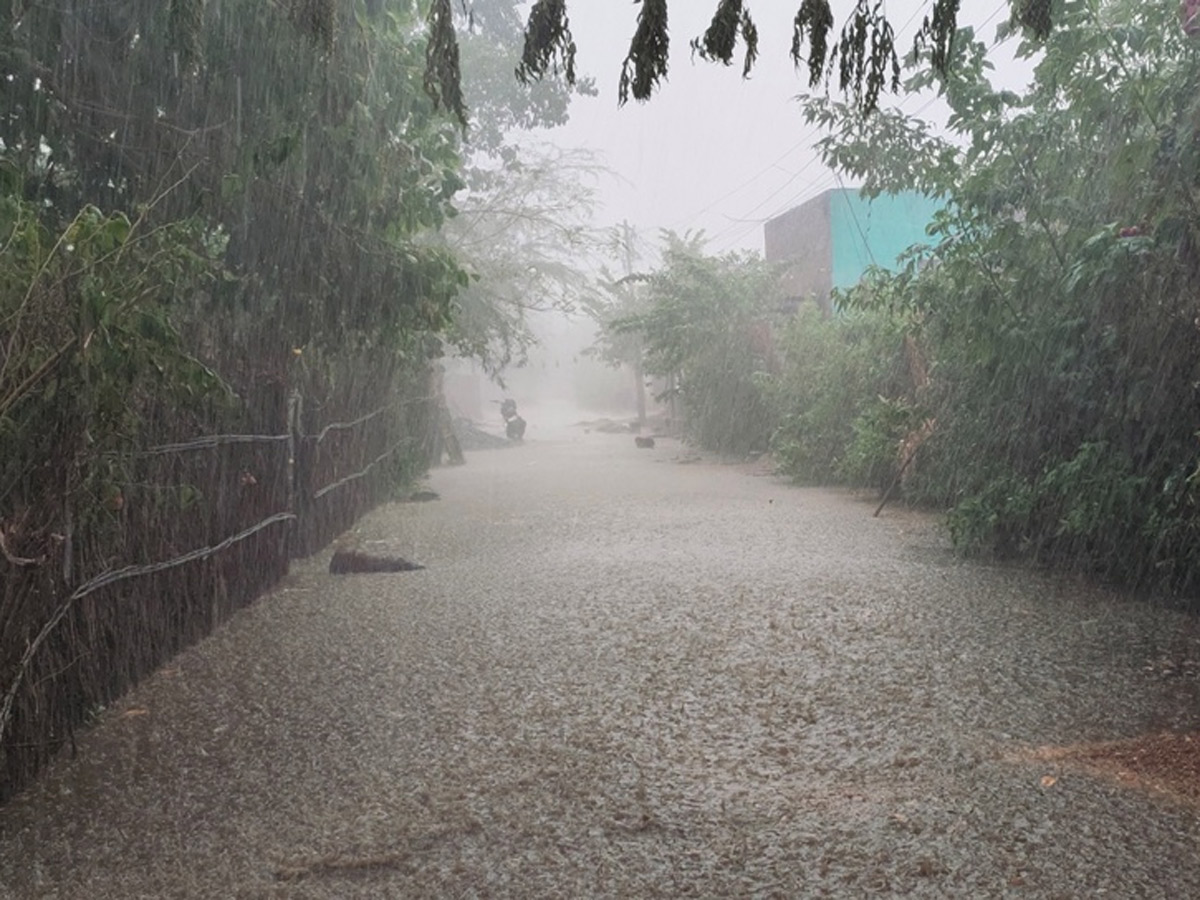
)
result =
(211, 441)
(297, 496)
(317, 495)
(112, 577)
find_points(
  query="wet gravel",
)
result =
(626, 675)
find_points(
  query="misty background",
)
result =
(711, 152)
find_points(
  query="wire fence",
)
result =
(198, 529)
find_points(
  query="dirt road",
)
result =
(624, 674)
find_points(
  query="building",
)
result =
(832, 239)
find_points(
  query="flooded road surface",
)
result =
(627, 675)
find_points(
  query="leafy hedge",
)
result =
(844, 397)
(1037, 367)
(1058, 302)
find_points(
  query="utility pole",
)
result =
(639, 375)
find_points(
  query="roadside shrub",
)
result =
(873, 457)
(845, 397)
(707, 324)
(1058, 303)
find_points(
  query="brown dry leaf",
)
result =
(1163, 763)
(1049, 781)
(135, 711)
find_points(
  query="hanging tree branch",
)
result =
(548, 43)
(1035, 15)
(864, 57)
(816, 18)
(865, 54)
(646, 64)
(937, 32)
(719, 41)
(443, 79)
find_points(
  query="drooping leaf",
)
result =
(549, 45)
(721, 36)
(866, 56)
(646, 63)
(1036, 16)
(815, 19)
(937, 32)
(443, 79)
(720, 39)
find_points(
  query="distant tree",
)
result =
(522, 233)
(706, 321)
(499, 104)
(520, 227)
(619, 298)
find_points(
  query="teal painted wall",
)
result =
(874, 232)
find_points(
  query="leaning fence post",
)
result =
(297, 480)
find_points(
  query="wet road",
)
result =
(626, 675)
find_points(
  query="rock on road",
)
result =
(624, 675)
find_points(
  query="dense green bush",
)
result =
(708, 324)
(845, 397)
(1059, 305)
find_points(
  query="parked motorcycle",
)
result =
(514, 425)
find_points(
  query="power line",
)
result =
(911, 19)
(737, 232)
(748, 215)
(746, 223)
(857, 224)
(792, 149)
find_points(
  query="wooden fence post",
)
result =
(299, 475)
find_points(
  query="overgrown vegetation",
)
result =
(1058, 307)
(845, 398)
(706, 323)
(1036, 369)
(213, 226)
(228, 255)
(204, 203)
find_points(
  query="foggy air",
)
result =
(572, 449)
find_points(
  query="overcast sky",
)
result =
(711, 151)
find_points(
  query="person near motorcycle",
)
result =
(514, 425)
